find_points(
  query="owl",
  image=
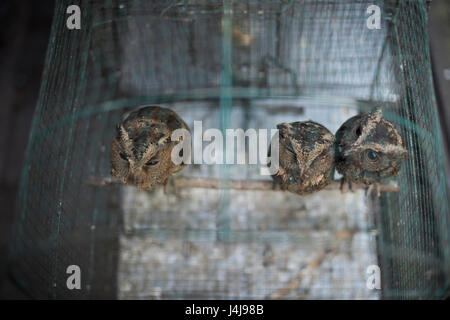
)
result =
(306, 157)
(141, 150)
(368, 148)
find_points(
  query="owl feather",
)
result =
(368, 149)
(141, 153)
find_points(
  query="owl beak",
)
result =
(394, 171)
(343, 145)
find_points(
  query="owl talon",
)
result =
(369, 190)
(171, 187)
(374, 187)
(175, 188)
(345, 186)
(166, 188)
(275, 185)
(350, 186)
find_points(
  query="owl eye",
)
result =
(357, 131)
(152, 162)
(371, 155)
(123, 156)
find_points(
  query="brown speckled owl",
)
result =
(368, 148)
(306, 157)
(141, 151)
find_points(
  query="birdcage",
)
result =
(231, 64)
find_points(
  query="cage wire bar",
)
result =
(130, 53)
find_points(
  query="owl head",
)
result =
(369, 148)
(141, 150)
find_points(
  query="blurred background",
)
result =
(24, 35)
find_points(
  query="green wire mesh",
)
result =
(130, 53)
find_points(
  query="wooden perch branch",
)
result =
(213, 183)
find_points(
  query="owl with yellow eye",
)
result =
(368, 149)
